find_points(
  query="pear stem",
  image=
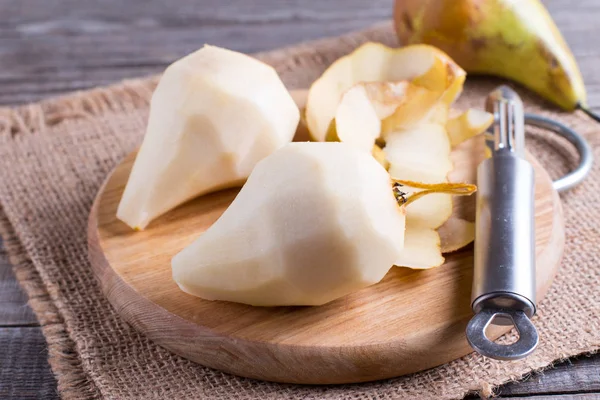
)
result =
(460, 189)
(592, 114)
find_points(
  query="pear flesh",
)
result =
(214, 114)
(314, 222)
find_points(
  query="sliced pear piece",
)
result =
(314, 222)
(467, 125)
(425, 66)
(214, 114)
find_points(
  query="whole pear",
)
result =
(513, 39)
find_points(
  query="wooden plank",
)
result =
(14, 310)
(578, 375)
(24, 369)
(48, 47)
(55, 46)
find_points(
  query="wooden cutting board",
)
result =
(410, 321)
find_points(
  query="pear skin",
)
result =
(424, 66)
(517, 40)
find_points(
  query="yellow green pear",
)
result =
(513, 39)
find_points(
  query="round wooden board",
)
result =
(410, 321)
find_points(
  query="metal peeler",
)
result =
(504, 276)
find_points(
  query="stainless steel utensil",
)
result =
(504, 277)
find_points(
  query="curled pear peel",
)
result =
(314, 222)
(468, 124)
(455, 234)
(214, 114)
(422, 249)
(424, 66)
(422, 154)
(419, 154)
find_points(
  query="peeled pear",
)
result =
(512, 39)
(314, 222)
(422, 66)
(213, 116)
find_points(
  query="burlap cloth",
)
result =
(53, 157)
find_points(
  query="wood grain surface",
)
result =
(32, 380)
(410, 321)
(46, 46)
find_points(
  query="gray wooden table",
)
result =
(49, 47)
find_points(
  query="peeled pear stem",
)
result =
(214, 114)
(460, 189)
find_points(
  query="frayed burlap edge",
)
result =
(73, 383)
(34, 118)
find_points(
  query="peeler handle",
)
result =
(504, 275)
